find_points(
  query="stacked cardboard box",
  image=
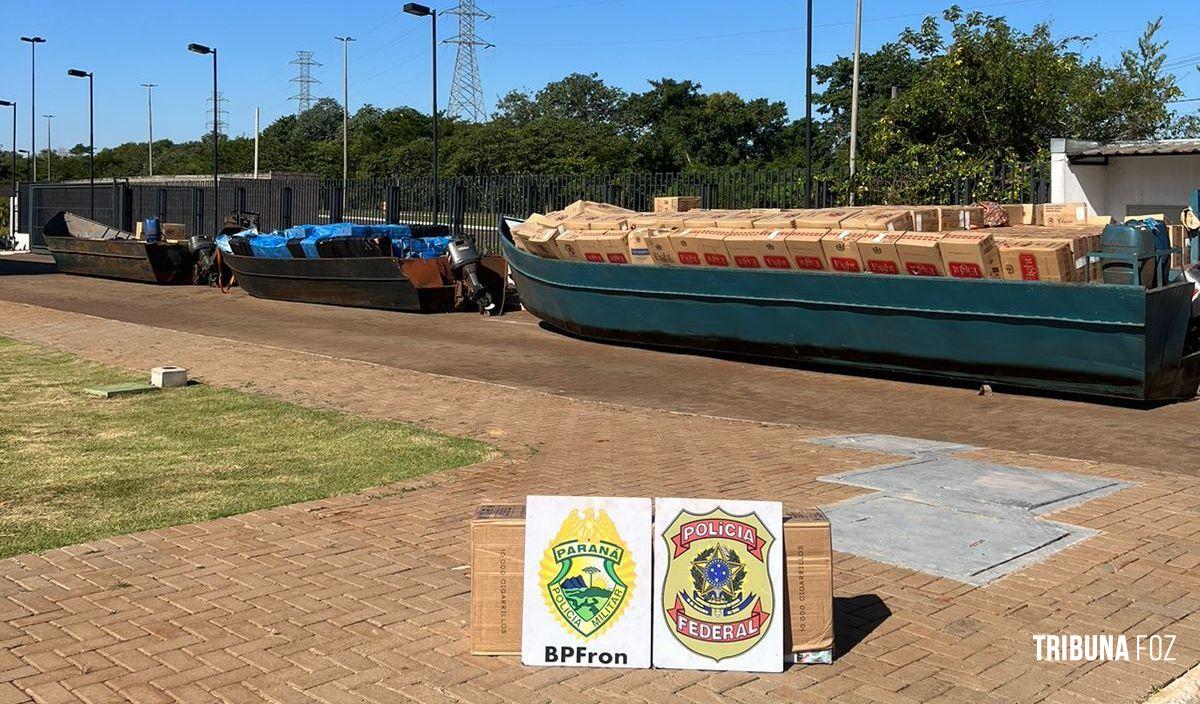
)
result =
(1037, 260)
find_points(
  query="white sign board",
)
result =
(718, 585)
(588, 582)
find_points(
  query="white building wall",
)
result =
(1164, 183)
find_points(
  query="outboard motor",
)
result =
(205, 252)
(465, 262)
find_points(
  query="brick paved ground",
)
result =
(364, 598)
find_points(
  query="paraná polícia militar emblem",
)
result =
(717, 594)
(587, 572)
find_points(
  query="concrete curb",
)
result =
(1183, 690)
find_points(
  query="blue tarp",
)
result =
(404, 245)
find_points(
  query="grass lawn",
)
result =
(74, 467)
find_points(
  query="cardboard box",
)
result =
(1179, 238)
(808, 587)
(676, 204)
(609, 247)
(890, 219)
(841, 251)
(701, 221)
(970, 255)
(662, 250)
(497, 582)
(959, 217)
(878, 252)
(565, 246)
(543, 243)
(497, 579)
(919, 254)
(782, 220)
(740, 220)
(757, 249)
(592, 208)
(638, 245)
(805, 249)
(1019, 213)
(1054, 214)
(1037, 260)
(700, 247)
(925, 219)
(826, 218)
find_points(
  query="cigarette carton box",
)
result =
(544, 243)
(879, 254)
(1054, 214)
(706, 220)
(841, 251)
(1037, 260)
(959, 217)
(609, 247)
(757, 249)
(497, 579)
(783, 220)
(566, 246)
(700, 247)
(638, 244)
(919, 254)
(741, 220)
(925, 219)
(676, 204)
(808, 587)
(662, 250)
(970, 255)
(805, 249)
(827, 218)
(1019, 213)
(890, 219)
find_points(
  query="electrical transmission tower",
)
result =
(466, 92)
(304, 60)
(220, 115)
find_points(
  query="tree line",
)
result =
(959, 92)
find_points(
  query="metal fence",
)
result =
(477, 202)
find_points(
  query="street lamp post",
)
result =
(345, 112)
(33, 42)
(150, 121)
(91, 139)
(418, 10)
(13, 104)
(808, 174)
(201, 49)
(49, 147)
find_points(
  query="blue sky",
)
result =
(758, 50)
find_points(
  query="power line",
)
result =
(466, 90)
(304, 60)
(221, 114)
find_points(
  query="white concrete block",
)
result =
(168, 377)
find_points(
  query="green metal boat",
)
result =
(1100, 340)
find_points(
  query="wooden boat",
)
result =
(89, 248)
(1119, 342)
(390, 283)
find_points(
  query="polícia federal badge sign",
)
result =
(588, 571)
(587, 590)
(718, 578)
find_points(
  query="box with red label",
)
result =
(703, 247)
(959, 217)
(1037, 260)
(662, 251)
(804, 248)
(878, 252)
(919, 254)
(607, 247)
(841, 251)
(565, 246)
(970, 255)
(827, 218)
(890, 219)
(757, 249)
(638, 244)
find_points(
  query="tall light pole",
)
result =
(76, 73)
(345, 112)
(13, 104)
(201, 49)
(854, 98)
(808, 175)
(33, 42)
(49, 147)
(418, 10)
(150, 122)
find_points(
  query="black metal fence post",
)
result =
(335, 201)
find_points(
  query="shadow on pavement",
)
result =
(854, 618)
(13, 266)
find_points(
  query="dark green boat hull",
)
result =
(1119, 342)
